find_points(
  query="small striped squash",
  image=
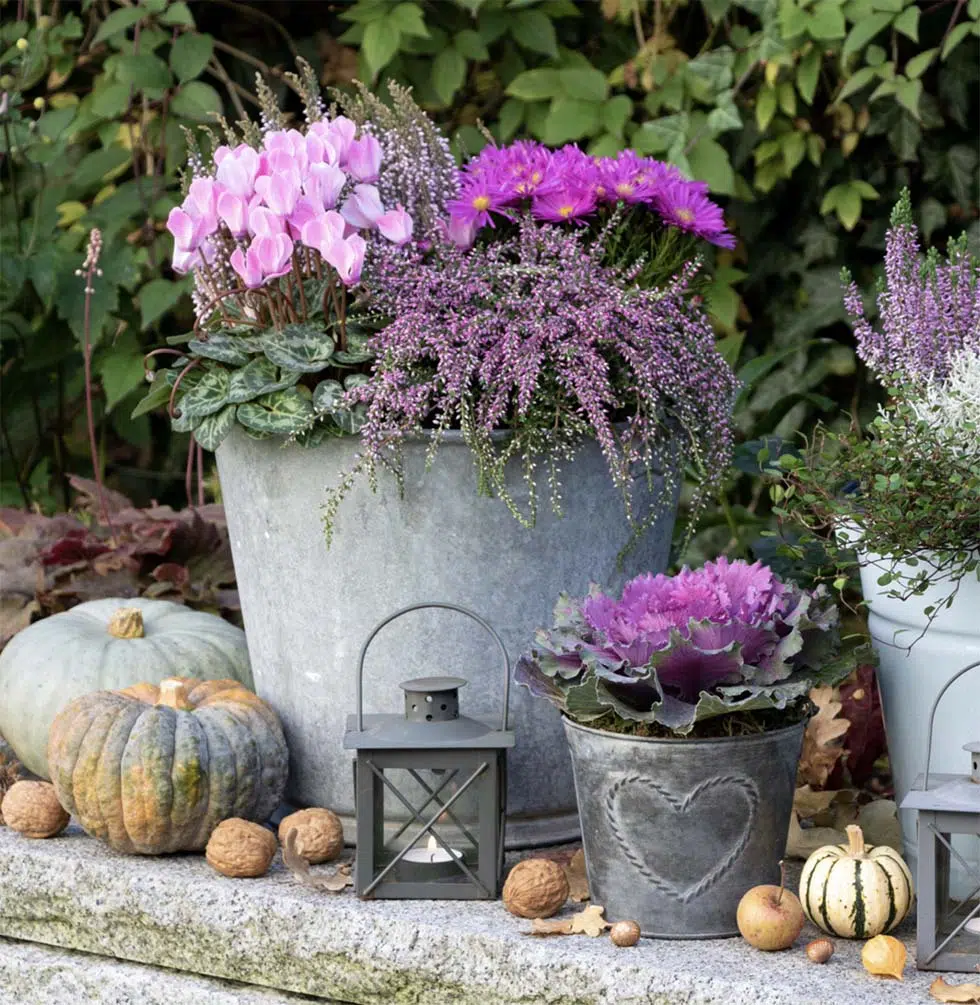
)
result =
(153, 769)
(856, 891)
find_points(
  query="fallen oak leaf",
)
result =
(944, 992)
(587, 922)
(300, 868)
(578, 882)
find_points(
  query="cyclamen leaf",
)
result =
(281, 413)
(223, 348)
(258, 378)
(327, 395)
(214, 428)
(307, 348)
(208, 395)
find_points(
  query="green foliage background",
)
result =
(806, 118)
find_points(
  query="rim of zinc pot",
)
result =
(678, 831)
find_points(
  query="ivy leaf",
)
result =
(214, 428)
(584, 84)
(954, 38)
(119, 20)
(533, 30)
(616, 112)
(661, 134)
(908, 23)
(535, 85)
(178, 14)
(206, 396)
(909, 93)
(709, 162)
(862, 78)
(827, 21)
(410, 20)
(469, 43)
(511, 115)
(765, 108)
(448, 74)
(121, 370)
(189, 55)
(157, 297)
(197, 101)
(863, 32)
(570, 119)
(302, 347)
(282, 413)
(144, 72)
(723, 118)
(808, 75)
(221, 347)
(257, 378)
(380, 43)
(918, 65)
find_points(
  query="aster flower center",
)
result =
(685, 214)
(624, 188)
(566, 210)
(481, 202)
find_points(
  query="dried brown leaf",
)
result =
(822, 743)
(299, 867)
(578, 881)
(944, 992)
(587, 922)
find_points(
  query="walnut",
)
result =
(32, 809)
(625, 933)
(319, 834)
(240, 849)
(535, 888)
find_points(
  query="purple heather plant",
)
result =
(928, 309)
(535, 336)
(676, 650)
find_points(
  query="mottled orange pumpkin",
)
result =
(154, 769)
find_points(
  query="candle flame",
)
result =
(432, 845)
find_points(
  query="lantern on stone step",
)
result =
(948, 927)
(448, 771)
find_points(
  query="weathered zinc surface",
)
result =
(175, 912)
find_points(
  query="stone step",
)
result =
(31, 974)
(175, 912)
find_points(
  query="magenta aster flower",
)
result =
(566, 203)
(630, 178)
(684, 204)
(478, 198)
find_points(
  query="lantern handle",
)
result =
(418, 607)
(932, 715)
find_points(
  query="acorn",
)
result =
(820, 950)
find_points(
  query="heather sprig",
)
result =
(674, 652)
(534, 337)
(928, 307)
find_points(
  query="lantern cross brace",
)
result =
(959, 906)
(428, 827)
(449, 813)
(433, 794)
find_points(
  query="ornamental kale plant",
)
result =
(674, 653)
(530, 345)
(906, 491)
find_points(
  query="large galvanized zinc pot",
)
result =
(308, 609)
(676, 831)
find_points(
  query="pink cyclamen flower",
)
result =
(347, 257)
(182, 225)
(364, 159)
(341, 131)
(322, 231)
(233, 210)
(280, 191)
(323, 184)
(263, 221)
(184, 261)
(320, 149)
(288, 141)
(461, 232)
(268, 257)
(396, 225)
(237, 169)
(362, 208)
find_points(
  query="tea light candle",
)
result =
(429, 863)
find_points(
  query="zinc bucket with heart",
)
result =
(675, 831)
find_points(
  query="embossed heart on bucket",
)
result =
(682, 843)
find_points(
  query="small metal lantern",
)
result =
(948, 929)
(445, 755)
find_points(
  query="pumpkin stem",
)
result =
(782, 881)
(173, 694)
(855, 841)
(127, 623)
